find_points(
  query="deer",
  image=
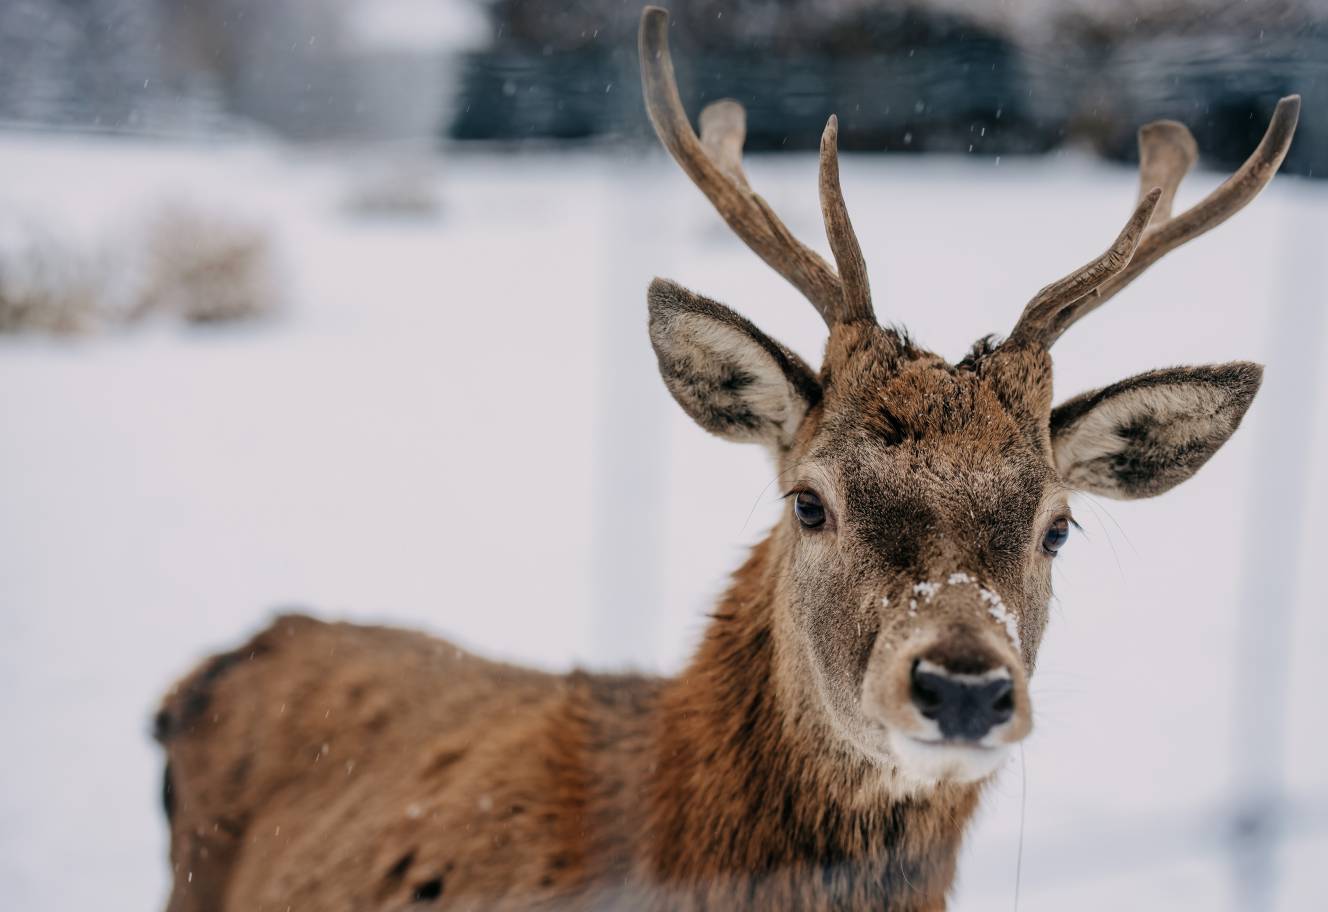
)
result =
(864, 677)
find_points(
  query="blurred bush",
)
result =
(186, 264)
(45, 285)
(394, 188)
(206, 268)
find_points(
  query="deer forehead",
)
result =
(922, 407)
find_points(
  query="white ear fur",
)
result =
(1147, 434)
(730, 377)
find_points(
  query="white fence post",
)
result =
(1272, 554)
(631, 425)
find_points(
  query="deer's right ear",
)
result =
(733, 379)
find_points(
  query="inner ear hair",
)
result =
(731, 378)
(1146, 434)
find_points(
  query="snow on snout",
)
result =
(927, 590)
(996, 608)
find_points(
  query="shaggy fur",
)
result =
(330, 766)
(335, 767)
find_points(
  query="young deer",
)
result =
(865, 674)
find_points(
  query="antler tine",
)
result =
(723, 131)
(1166, 151)
(1043, 317)
(839, 232)
(714, 165)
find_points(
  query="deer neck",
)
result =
(751, 789)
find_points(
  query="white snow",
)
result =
(926, 589)
(996, 608)
(415, 441)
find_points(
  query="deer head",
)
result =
(927, 500)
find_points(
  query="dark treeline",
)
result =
(916, 77)
(954, 76)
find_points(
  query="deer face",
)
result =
(927, 500)
(918, 569)
(925, 505)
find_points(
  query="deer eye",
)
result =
(809, 510)
(1058, 533)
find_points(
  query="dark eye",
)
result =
(807, 506)
(1057, 535)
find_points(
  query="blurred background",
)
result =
(338, 305)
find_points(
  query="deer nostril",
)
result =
(1002, 707)
(927, 692)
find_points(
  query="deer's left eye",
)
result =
(1058, 533)
(809, 510)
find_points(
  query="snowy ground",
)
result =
(457, 426)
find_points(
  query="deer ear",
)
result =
(1145, 435)
(733, 379)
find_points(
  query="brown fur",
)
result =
(336, 767)
(794, 762)
(329, 766)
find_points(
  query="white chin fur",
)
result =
(933, 763)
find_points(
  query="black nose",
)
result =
(964, 706)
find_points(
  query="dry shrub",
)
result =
(46, 285)
(206, 268)
(201, 267)
(394, 190)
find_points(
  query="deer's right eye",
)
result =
(1056, 536)
(809, 510)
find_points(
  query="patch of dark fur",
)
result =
(895, 523)
(240, 771)
(394, 876)
(168, 793)
(893, 430)
(402, 865)
(190, 705)
(427, 891)
(1145, 466)
(714, 397)
(162, 725)
(982, 348)
(442, 762)
(733, 380)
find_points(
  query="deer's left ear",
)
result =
(733, 379)
(1147, 434)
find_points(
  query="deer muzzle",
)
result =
(952, 697)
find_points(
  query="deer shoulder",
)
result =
(312, 730)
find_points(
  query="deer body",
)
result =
(379, 763)
(866, 673)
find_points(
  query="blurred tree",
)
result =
(965, 76)
(86, 62)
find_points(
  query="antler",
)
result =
(1044, 318)
(1166, 152)
(714, 164)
